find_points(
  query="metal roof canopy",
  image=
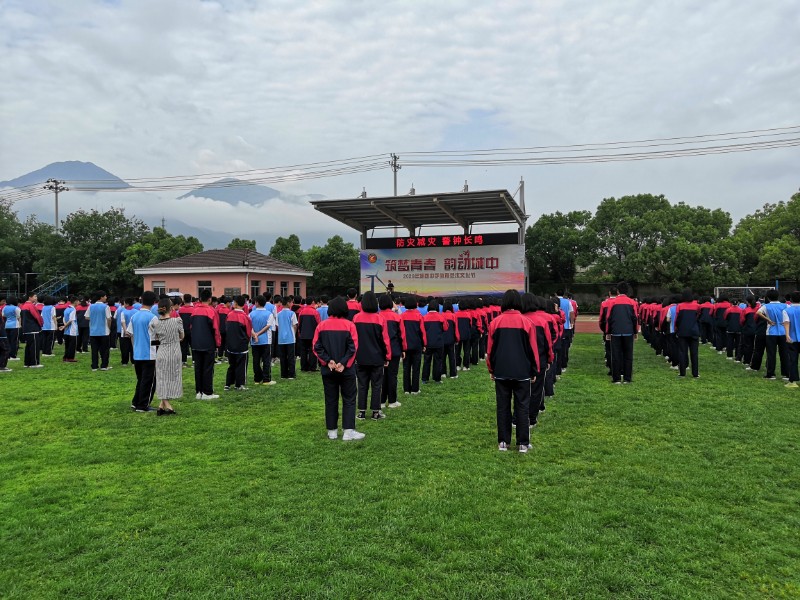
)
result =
(463, 209)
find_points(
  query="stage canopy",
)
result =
(463, 209)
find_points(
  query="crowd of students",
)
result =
(358, 345)
(676, 326)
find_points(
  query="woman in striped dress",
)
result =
(168, 333)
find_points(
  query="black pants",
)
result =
(186, 345)
(474, 345)
(262, 363)
(100, 346)
(462, 354)
(550, 380)
(449, 360)
(389, 389)
(70, 344)
(732, 344)
(4, 347)
(484, 341)
(436, 355)
(748, 341)
(48, 341)
(286, 353)
(307, 359)
(336, 384)
(33, 349)
(237, 369)
(411, 370)
(221, 350)
(537, 394)
(125, 350)
(521, 391)
(568, 333)
(113, 335)
(792, 351)
(203, 361)
(83, 339)
(369, 375)
(13, 341)
(759, 345)
(145, 383)
(721, 337)
(688, 349)
(776, 344)
(706, 333)
(621, 357)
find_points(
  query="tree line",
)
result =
(646, 239)
(101, 250)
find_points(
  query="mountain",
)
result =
(84, 175)
(232, 191)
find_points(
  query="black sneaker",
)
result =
(377, 415)
(362, 414)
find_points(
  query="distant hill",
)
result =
(77, 174)
(232, 191)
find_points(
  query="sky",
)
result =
(147, 88)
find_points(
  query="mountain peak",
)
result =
(232, 191)
(78, 174)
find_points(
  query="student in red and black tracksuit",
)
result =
(353, 306)
(623, 327)
(185, 313)
(451, 338)
(397, 343)
(533, 308)
(478, 330)
(307, 321)
(32, 331)
(83, 325)
(733, 328)
(237, 343)
(206, 339)
(464, 325)
(374, 354)
(706, 320)
(603, 323)
(687, 328)
(512, 358)
(415, 342)
(435, 327)
(555, 317)
(223, 310)
(335, 346)
(720, 325)
(748, 320)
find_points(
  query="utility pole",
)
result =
(54, 185)
(163, 223)
(394, 163)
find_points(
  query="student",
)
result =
(307, 321)
(623, 327)
(774, 313)
(185, 313)
(13, 318)
(99, 317)
(793, 339)
(60, 307)
(223, 310)
(144, 354)
(396, 342)
(748, 319)
(287, 336)
(167, 331)
(70, 330)
(123, 319)
(415, 342)
(435, 327)
(720, 324)
(733, 328)
(264, 323)
(3, 339)
(464, 326)
(113, 306)
(322, 309)
(206, 338)
(512, 358)
(31, 330)
(239, 331)
(451, 338)
(372, 356)
(49, 326)
(335, 346)
(533, 308)
(603, 324)
(353, 306)
(569, 314)
(687, 328)
(83, 325)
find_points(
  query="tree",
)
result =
(556, 244)
(288, 250)
(11, 233)
(237, 243)
(335, 266)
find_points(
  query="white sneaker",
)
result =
(273, 382)
(523, 449)
(395, 405)
(352, 434)
(333, 434)
(198, 396)
(209, 396)
(502, 447)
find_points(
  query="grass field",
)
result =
(666, 488)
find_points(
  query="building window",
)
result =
(271, 287)
(255, 288)
(203, 285)
(232, 291)
(174, 290)
(296, 289)
(284, 288)
(159, 287)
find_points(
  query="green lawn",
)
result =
(666, 488)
